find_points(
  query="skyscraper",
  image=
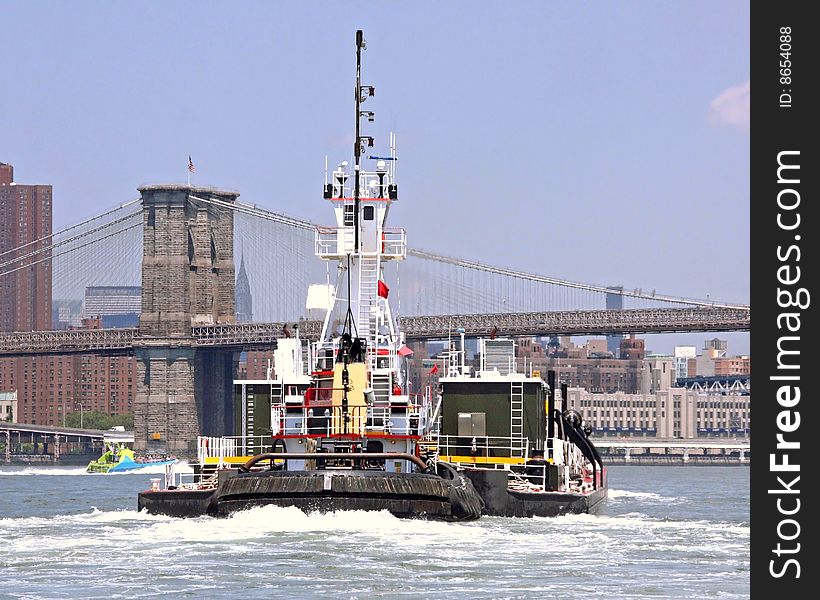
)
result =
(244, 299)
(25, 223)
(614, 301)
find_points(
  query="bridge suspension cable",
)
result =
(471, 264)
(70, 228)
(69, 250)
(255, 211)
(99, 232)
(63, 242)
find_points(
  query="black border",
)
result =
(775, 129)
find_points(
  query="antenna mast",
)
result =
(362, 94)
(357, 149)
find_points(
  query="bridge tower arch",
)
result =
(188, 279)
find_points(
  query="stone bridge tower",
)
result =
(187, 280)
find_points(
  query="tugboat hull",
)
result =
(407, 495)
(499, 501)
(402, 494)
(175, 503)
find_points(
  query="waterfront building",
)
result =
(669, 413)
(657, 374)
(25, 220)
(50, 387)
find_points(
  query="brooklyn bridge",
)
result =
(181, 246)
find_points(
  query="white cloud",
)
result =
(731, 107)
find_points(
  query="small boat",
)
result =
(340, 429)
(118, 458)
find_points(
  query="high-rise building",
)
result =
(113, 305)
(48, 388)
(614, 301)
(244, 298)
(25, 223)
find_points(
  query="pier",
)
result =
(36, 444)
(675, 451)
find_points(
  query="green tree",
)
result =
(94, 419)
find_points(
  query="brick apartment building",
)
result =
(50, 387)
(47, 388)
(25, 218)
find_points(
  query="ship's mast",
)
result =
(363, 92)
(362, 241)
(357, 149)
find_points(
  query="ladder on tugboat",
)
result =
(368, 294)
(382, 386)
(517, 449)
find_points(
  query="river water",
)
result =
(665, 532)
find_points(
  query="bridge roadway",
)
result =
(248, 336)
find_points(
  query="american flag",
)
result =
(191, 166)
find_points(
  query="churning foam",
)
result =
(651, 496)
(42, 471)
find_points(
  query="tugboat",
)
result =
(348, 436)
(504, 430)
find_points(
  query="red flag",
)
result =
(383, 289)
(434, 370)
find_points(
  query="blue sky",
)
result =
(604, 142)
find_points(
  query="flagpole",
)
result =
(189, 171)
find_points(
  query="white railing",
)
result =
(338, 241)
(394, 243)
(230, 446)
(387, 419)
(487, 447)
(333, 241)
(189, 480)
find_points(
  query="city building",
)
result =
(682, 356)
(733, 365)
(255, 365)
(114, 306)
(657, 374)
(713, 362)
(50, 387)
(705, 362)
(8, 407)
(669, 413)
(66, 314)
(25, 223)
(632, 348)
